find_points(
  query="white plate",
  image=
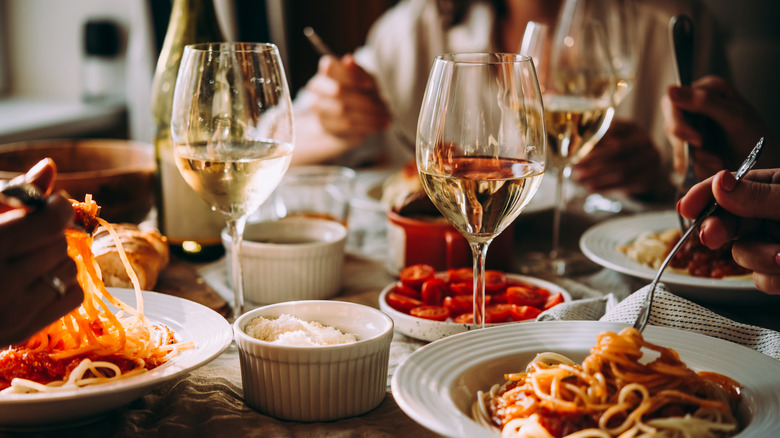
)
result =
(437, 384)
(189, 320)
(600, 244)
(428, 330)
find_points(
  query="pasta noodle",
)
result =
(89, 345)
(651, 248)
(615, 392)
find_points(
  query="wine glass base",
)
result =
(566, 265)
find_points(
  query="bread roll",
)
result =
(403, 193)
(147, 251)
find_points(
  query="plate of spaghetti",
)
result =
(115, 347)
(590, 374)
(633, 244)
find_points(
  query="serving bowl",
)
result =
(119, 174)
(319, 383)
(430, 330)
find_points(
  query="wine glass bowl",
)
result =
(481, 148)
(231, 128)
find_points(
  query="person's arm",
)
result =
(724, 129)
(339, 108)
(750, 216)
(39, 278)
(625, 160)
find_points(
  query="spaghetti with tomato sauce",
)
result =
(611, 394)
(91, 344)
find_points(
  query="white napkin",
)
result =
(668, 310)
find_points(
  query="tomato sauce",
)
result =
(41, 368)
(700, 261)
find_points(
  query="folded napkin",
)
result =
(669, 310)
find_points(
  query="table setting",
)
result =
(334, 311)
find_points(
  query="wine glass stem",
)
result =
(479, 251)
(236, 228)
(558, 213)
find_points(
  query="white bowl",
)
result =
(320, 383)
(429, 330)
(291, 259)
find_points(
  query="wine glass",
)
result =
(481, 150)
(620, 25)
(232, 132)
(578, 81)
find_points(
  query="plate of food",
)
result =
(203, 332)
(430, 305)
(448, 386)
(635, 245)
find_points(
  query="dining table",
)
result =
(209, 400)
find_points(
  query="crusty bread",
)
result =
(147, 251)
(403, 193)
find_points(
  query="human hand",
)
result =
(33, 250)
(625, 160)
(346, 100)
(750, 216)
(729, 128)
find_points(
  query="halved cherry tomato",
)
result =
(495, 281)
(461, 288)
(553, 300)
(497, 313)
(459, 304)
(435, 313)
(465, 318)
(499, 298)
(415, 275)
(433, 291)
(465, 275)
(527, 295)
(401, 288)
(401, 302)
(522, 313)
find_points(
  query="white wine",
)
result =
(237, 180)
(574, 125)
(481, 196)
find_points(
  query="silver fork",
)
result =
(644, 312)
(681, 35)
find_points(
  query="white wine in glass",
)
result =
(232, 132)
(481, 150)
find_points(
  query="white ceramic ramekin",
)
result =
(291, 259)
(317, 383)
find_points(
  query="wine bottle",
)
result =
(192, 228)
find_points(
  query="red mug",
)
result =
(434, 241)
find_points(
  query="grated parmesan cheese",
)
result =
(289, 330)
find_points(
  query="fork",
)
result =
(681, 35)
(644, 311)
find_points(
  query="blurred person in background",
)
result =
(39, 278)
(720, 124)
(363, 107)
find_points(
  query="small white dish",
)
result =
(320, 383)
(429, 330)
(291, 259)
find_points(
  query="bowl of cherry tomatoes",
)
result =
(430, 305)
